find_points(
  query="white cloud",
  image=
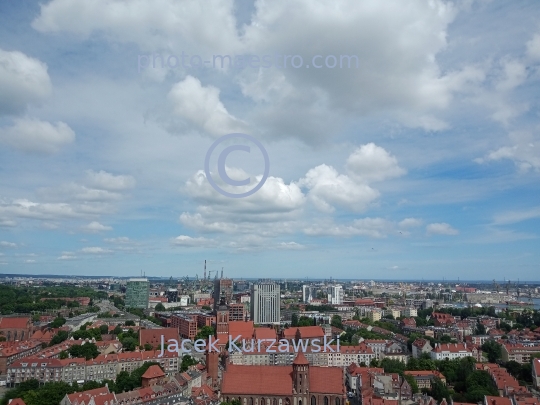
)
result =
(290, 246)
(30, 261)
(371, 163)
(95, 250)
(35, 136)
(327, 188)
(201, 106)
(66, 257)
(107, 181)
(7, 244)
(23, 80)
(188, 241)
(441, 228)
(513, 217)
(152, 24)
(123, 240)
(410, 223)
(533, 48)
(95, 226)
(525, 152)
(370, 227)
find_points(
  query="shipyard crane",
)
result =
(496, 286)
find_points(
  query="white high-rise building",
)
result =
(265, 301)
(307, 296)
(335, 295)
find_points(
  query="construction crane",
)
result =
(496, 286)
(210, 273)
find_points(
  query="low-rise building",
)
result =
(518, 352)
(420, 347)
(450, 351)
(424, 378)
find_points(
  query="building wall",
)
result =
(137, 293)
(265, 303)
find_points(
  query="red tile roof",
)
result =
(300, 359)
(14, 323)
(17, 401)
(309, 332)
(265, 333)
(241, 328)
(153, 336)
(85, 396)
(277, 380)
(497, 400)
(153, 372)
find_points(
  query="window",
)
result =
(313, 400)
(325, 400)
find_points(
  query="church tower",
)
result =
(301, 378)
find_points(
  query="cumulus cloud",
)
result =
(410, 223)
(123, 240)
(107, 181)
(201, 106)
(327, 188)
(5, 244)
(441, 228)
(525, 152)
(23, 80)
(95, 227)
(370, 163)
(35, 136)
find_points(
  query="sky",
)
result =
(402, 138)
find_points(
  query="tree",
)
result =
(393, 366)
(160, 307)
(493, 350)
(129, 322)
(104, 329)
(294, 320)
(129, 344)
(148, 346)
(59, 337)
(63, 355)
(336, 322)
(117, 330)
(305, 321)
(480, 329)
(204, 332)
(439, 390)
(88, 351)
(57, 322)
(187, 361)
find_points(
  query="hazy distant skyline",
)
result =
(423, 162)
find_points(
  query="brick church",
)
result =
(299, 384)
(16, 328)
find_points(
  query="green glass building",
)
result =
(137, 293)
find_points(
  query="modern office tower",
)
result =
(335, 295)
(137, 293)
(265, 301)
(222, 286)
(307, 294)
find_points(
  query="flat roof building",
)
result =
(137, 293)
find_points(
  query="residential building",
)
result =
(137, 293)
(335, 295)
(307, 294)
(420, 347)
(451, 351)
(12, 351)
(374, 315)
(377, 345)
(185, 323)
(237, 312)
(265, 303)
(409, 312)
(518, 352)
(424, 378)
